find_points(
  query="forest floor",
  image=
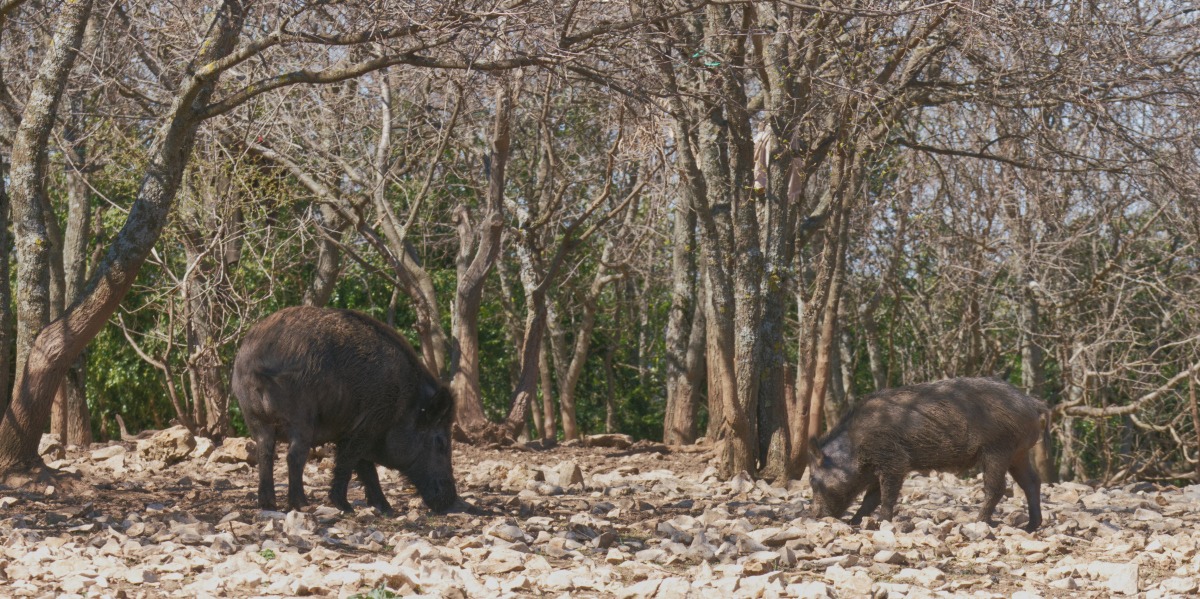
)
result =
(638, 522)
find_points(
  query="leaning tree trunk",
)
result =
(472, 273)
(55, 348)
(819, 321)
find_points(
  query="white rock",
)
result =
(566, 474)
(235, 450)
(342, 578)
(642, 590)
(926, 577)
(617, 441)
(107, 452)
(299, 523)
(558, 580)
(809, 590)
(1180, 585)
(50, 447)
(204, 448)
(169, 445)
(508, 532)
(742, 483)
(1145, 515)
(1119, 578)
(1065, 583)
(140, 576)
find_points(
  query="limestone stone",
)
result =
(168, 445)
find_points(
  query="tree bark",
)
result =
(683, 308)
(1195, 420)
(822, 370)
(27, 173)
(464, 360)
(550, 430)
(329, 259)
(50, 355)
(6, 315)
(77, 425)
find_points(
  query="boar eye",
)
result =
(439, 443)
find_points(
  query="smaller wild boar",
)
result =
(949, 426)
(316, 376)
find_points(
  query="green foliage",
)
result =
(267, 554)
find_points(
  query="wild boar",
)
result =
(315, 376)
(949, 426)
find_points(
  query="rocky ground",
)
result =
(631, 522)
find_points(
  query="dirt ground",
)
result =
(636, 522)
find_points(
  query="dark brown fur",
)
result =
(316, 376)
(949, 426)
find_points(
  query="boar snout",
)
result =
(431, 470)
(439, 493)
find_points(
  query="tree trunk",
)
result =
(6, 315)
(779, 247)
(819, 316)
(464, 361)
(54, 349)
(822, 370)
(329, 259)
(1033, 379)
(583, 341)
(34, 240)
(75, 263)
(526, 390)
(550, 431)
(1195, 420)
(847, 361)
(870, 334)
(610, 390)
(683, 307)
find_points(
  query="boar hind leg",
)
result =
(869, 503)
(297, 457)
(369, 477)
(994, 467)
(264, 440)
(1026, 478)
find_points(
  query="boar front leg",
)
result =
(869, 503)
(369, 477)
(349, 452)
(889, 491)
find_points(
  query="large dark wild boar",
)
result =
(949, 426)
(315, 376)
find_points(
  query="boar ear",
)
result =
(814, 449)
(438, 405)
(441, 405)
